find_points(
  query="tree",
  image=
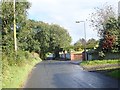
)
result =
(91, 43)
(80, 44)
(26, 39)
(119, 33)
(100, 17)
(7, 15)
(105, 22)
(77, 46)
(7, 21)
(112, 34)
(31, 35)
(59, 37)
(51, 37)
(42, 36)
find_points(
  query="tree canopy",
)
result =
(32, 35)
(80, 44)
(104, 20)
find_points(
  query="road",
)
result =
(64, 74)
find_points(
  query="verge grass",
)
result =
(109, 67)
(115, 74)
(15, 75)
(100, 62)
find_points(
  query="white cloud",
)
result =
(66, 12)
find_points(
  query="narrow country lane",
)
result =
(63, 74)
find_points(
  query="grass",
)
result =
(100, 62)
(115, 74)
(0, 60)
(15, 75)
(101, 65)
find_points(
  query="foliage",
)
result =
(26, 39)
(99, 62)
(108, 42)
(101, 66)
(101, 54)
(50, 37)
(114, 73)
(77, 46)
(59, 36)
(16, 72)
(7, 21)
(105, 22)
(80, 44)
(42, 36)
(25, 35)
(32, 35)
(100, 17)
(91, 43)
(7, 15)
(13, 62)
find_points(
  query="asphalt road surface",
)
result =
(64, 74)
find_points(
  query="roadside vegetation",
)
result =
(31, 36)
(114, 74)
(107, 24)
(108, 67)
(16, 71)
(99, 62)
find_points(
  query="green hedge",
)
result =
(16, 67)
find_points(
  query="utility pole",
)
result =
(85, 38)
(15, 40)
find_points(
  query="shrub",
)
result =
(101, 55)
(16, 66)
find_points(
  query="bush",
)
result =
(101, 55)
(12, 59)
(15, 67)
(27, 55)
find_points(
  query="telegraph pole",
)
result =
(85, 38)
(15, 41)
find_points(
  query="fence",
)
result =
(95, 56)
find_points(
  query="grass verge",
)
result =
(107, 67)
(15, 75)
(99, 62)
(114, 74)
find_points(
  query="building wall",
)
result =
(76, 56)
(108, 55)
(112, 56)
(66, 55)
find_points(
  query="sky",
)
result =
(66, 12)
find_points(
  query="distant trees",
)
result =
(92, 43)
(80, 44)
